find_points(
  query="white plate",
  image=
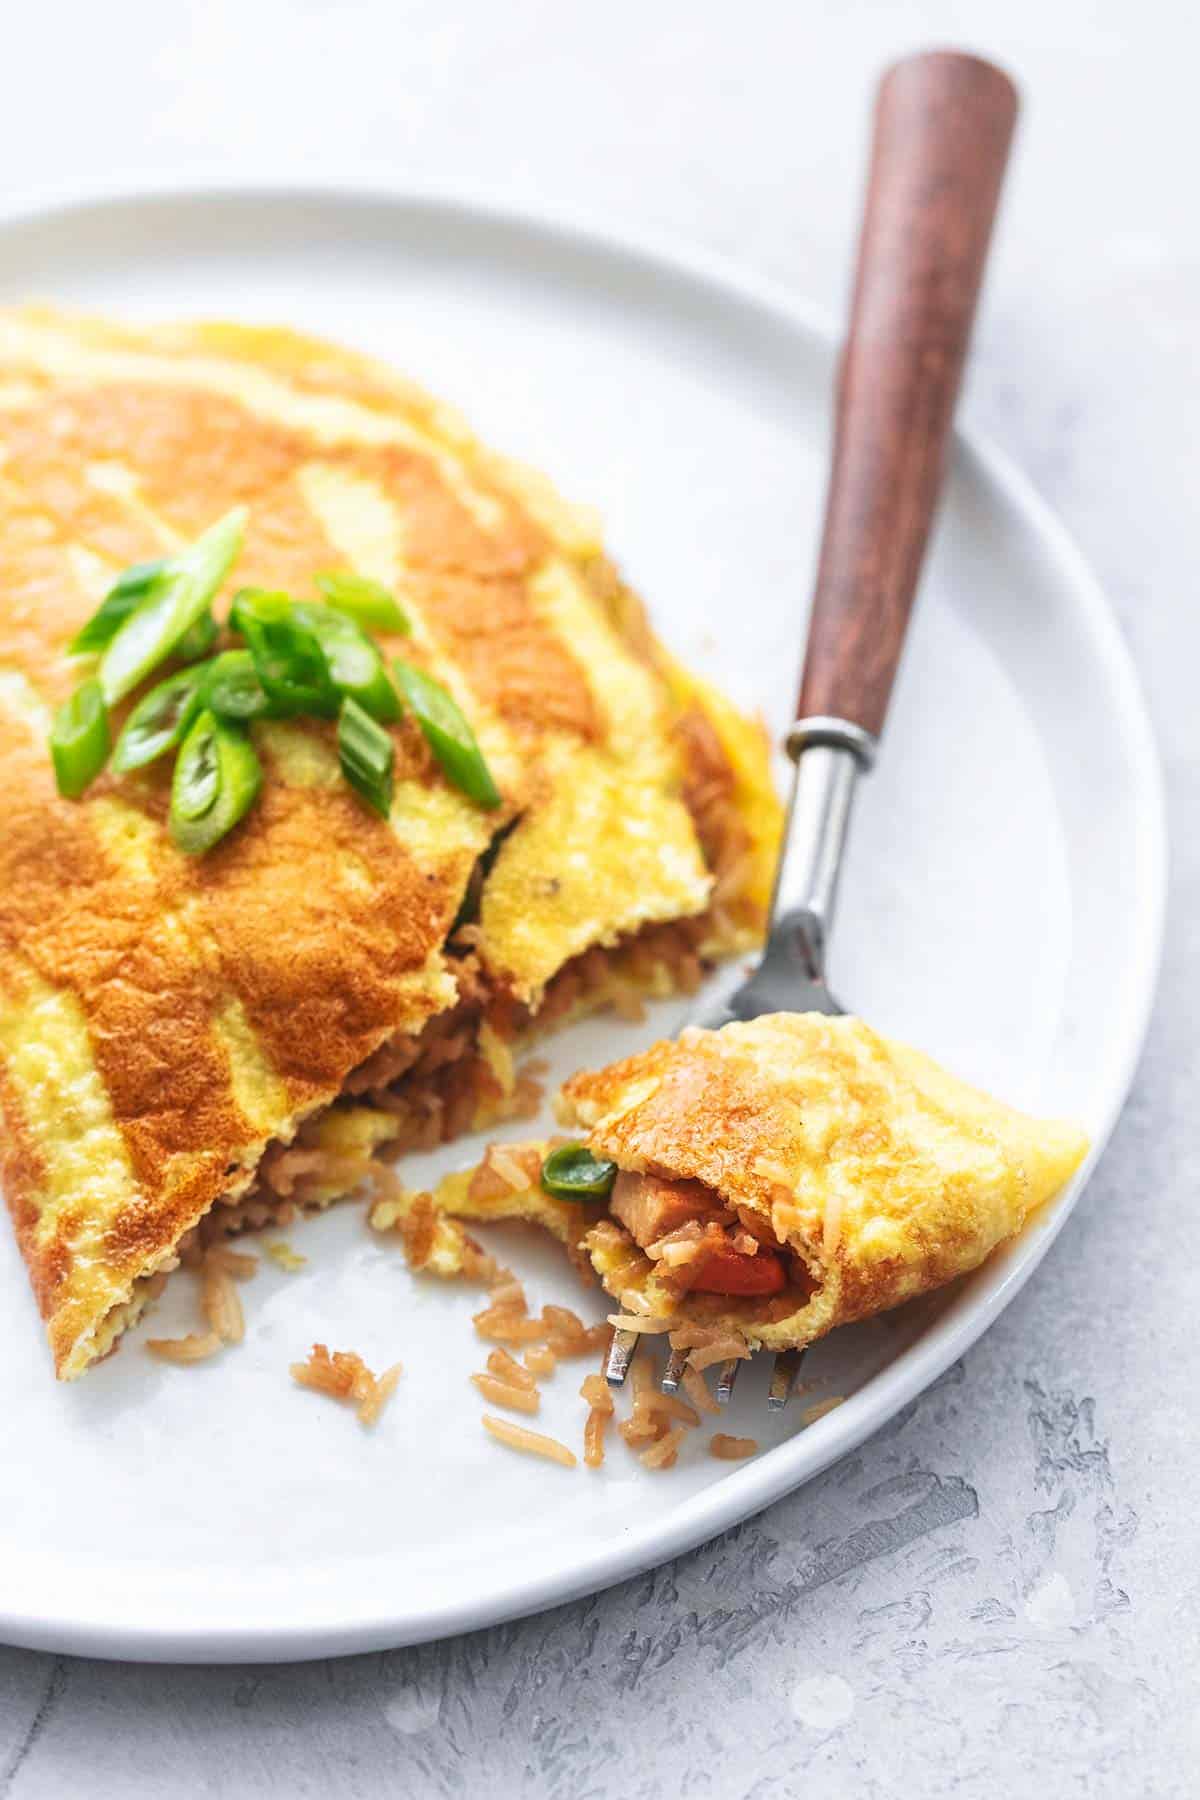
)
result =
(1002, 907)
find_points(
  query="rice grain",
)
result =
(197, 1346)
(672, 1407)
(500, 1326)
(598, 1394)
(627, 1322)
(696, 1388)
(502, 1364)
(371, 1405)
(220, 1303)
(731, 1449)
(504, 1393)
(343, 1375)
(593, 1437)
(532, 1443)
(506, 1291)
(665, 1453)
(595, 1337)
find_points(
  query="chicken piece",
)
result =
(649, 1207)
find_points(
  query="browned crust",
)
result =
(22, 1174)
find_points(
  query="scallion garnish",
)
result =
(301, 658)
(367, 755)
(572, 1173)
(366, 602)
(179, 595)
(79, 739)
(288, 656)
(355, 665)
(448, 734)
(253, 607)
(159, 721)
(198, 639)
(217, 778)
(232, 687)
(128, 591)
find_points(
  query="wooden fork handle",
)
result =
(943, 125)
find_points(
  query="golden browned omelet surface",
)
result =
(162, 1019)
(884, 1174)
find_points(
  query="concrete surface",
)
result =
(999, 1594)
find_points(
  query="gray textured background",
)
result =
(1000, 1592)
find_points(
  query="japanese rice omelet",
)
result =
(193, 1042)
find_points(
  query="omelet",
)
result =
(219, 1038)
(778, 1178)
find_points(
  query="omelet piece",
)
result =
(877, 1174)
(814, 1170)
(168, 1026)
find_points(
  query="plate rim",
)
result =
(744, 1491)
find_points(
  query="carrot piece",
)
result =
(729, 1271)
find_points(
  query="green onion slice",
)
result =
(288, 656)
(232, 687)
(367, 755)
(448, 734)
(258, 606)
(178, 596)
(367, 602)
(159, 721)
(572, 1173)
(217, 778)
(128, 591)
(79, 739)
(355, 665)
(198, 640)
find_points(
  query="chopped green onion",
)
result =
(287, 655)
(572, 1173)
(180, 594)
(198, 639)
(128, 591)
(448, 734)
(198, 771)
(232, 687)
(258, 606)
(159, 720)
(355, 665)
(367, 755)
(217, 778)
(367, 602)
(79, 739)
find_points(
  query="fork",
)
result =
(942, 129)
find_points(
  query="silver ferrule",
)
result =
(842, 734)
(818, 822)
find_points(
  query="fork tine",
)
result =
(673, 1373)
(726, 1378)
(621, 1353)
(783, 1379)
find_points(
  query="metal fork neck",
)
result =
(829, 755)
